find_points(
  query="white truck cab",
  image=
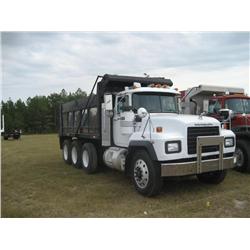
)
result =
(144, 134)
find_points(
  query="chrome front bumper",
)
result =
(190, 168)
(200, 166)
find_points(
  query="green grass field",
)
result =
(37, 183)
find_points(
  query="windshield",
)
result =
(155, 102)
(247, 105)
(238, 105)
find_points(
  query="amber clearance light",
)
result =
(159, 129)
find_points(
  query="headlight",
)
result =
(229, 142)
(173, 147)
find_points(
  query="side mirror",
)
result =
(227, 114)
(205, 106)
(108, 100)
(142, 112)
(231, 114)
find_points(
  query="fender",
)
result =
(242, 134)
(147, 145)
(137, 145)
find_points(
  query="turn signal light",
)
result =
(159, 129)
(225, 126)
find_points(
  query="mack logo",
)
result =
(203, 124)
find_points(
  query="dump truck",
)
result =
(8, 133)
(231, 106)
(2, 124)
(12, 134)
(133, 124)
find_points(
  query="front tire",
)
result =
(89, 158)
(212, 177)
(146, 175)
(242, 154)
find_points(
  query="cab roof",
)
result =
(151, 90)
(117, 83)
(241, 96)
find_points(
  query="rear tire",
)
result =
(89, 158)
(76, 154)
(146, 174)
(212, 177)
(6, 137)
(16, 136)
(242, 153)
(66, 149)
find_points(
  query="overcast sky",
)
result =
(39, 63)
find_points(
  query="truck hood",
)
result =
(188, 120)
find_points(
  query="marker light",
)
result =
(159, 129)
(225, 126)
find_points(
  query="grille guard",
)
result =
(200, 166)
(209, 141)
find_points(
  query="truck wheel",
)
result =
(89, 158)
(76, 154)
(242, 154)
(15, 137)
(6, 137)
(146, 175)
(212, 177)
(66, 149)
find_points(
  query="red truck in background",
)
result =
(229, 105)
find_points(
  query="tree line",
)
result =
(37, 114)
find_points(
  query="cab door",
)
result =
(122, 121)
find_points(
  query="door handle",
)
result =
(119, 118)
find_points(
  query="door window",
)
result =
(214, 106)
(122, 101)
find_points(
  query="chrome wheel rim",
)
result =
(85, 158)
(239, 157)
(65, 152)
(74, 155)
(141, 174)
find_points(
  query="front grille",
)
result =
(193, 132)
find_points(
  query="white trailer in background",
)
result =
(196, 100)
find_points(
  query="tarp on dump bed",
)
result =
(79, 104)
